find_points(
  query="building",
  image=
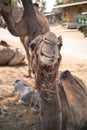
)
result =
(51, 17)
(70, 11)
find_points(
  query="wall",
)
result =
(70, 13)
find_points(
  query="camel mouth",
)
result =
(48, 53)
(48, 60)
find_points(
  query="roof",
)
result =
(71, 4)
(84, 13)
(48, 14)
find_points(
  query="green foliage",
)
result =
(42, 4)
(58, 2)
(14, 3)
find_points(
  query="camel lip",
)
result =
(43, 54)
(48, 60)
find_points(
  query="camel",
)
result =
(63, 97)
(31, 24)
(9, 55)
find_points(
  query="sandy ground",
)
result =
(18, 114)
(76, 65)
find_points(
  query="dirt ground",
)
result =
(18, 116)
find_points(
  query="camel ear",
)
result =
(60, 42)
(32, 45)
(9, 2)
(35, 42)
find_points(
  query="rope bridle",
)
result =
(53, 72)
(46, 74)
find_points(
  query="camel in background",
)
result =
(31, 24)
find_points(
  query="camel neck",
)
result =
(15, 28)
(51, 115)
(30, 14)
(28, 7)
(10, 22)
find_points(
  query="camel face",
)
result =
(5, 6)
(48, 51)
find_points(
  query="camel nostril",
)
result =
(34, 33)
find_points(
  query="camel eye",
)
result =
(53, 57)
(34, 33)
(5, 3)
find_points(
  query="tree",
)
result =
(14, 3)
(58, 2)
(42, 4)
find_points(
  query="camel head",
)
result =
(5, 6)
(46, 51)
